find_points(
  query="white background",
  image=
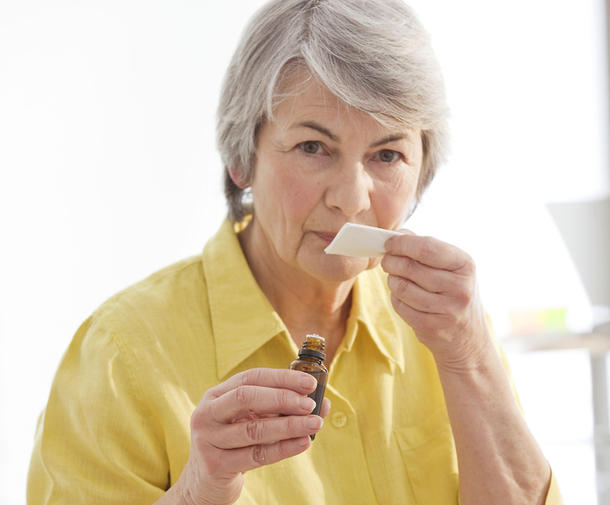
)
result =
(109, 172)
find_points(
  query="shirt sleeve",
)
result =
(553, 496)
(97, 442)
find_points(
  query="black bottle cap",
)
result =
(312, 352)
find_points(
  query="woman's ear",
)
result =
(238, 177)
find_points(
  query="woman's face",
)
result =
(320, 164)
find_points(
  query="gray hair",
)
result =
(374, 55)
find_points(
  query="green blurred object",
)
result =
(533, 321)
(554, 319)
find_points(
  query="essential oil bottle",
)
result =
(311, 360)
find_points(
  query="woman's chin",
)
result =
(337, 268)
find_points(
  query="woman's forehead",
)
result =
(305, 99)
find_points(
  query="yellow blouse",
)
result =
(116, 426)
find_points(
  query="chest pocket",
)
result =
(430, 461)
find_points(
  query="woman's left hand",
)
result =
(434, 289)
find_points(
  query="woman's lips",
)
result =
(325, 236)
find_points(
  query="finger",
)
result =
(415, 297)
(295, 380)
(431, 279)
(428, 251)
(256, 400)
(265, 431)
(420, 321)
(248, 458)
(325, 408)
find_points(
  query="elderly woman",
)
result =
(176, 391)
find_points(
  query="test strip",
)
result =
(359, 240)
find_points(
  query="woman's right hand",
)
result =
(255, 418)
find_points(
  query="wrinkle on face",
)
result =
(291, 187)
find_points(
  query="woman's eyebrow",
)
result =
(389, 138)
(325, 131)
(315, 126)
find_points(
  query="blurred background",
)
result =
(108, 172)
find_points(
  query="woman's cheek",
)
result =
(395, 203)
(389, 210)
(298, 194)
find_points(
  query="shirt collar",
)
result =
(372, 308)
(242, 318)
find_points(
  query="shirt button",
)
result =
(339, 419)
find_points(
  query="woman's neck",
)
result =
(305, 304)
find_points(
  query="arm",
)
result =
(434, 290)
(499, 460)
(95, 442)
(99, 441)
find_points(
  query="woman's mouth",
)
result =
(326, 237)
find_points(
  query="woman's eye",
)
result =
(387, 156)
(311, 147)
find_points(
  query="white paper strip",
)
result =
(359, 240)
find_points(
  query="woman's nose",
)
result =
(349, 191)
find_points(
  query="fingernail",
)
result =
(314, 422)
(303, 441)
(307, 403)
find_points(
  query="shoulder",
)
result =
(161, 288)
(154, 318)
(178, 291)
(164, 323)
(155, 300)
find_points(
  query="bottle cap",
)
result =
(313, 345)
(312, 352)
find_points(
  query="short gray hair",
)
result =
(374, 55)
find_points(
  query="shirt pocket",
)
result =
(428, 453)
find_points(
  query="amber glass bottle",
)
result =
(311, 360)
